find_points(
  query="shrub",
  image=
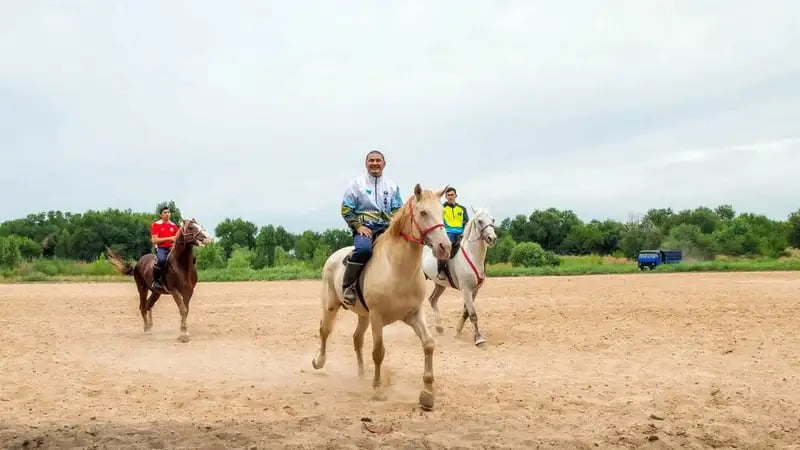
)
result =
(10, 256)
(531, 254)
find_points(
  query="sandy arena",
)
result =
(651, 360)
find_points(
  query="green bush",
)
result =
(10, 256)
(501, 251)
(28, 248)
(210, 256)
(241, 258)
(531, 254)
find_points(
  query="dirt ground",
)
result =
(651, 360)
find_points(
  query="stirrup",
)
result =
(351, 290)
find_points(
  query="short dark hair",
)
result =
(162, 209)
(450, 188)
(375, 152)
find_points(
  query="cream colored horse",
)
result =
(392, 284)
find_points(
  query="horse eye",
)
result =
(423, 213)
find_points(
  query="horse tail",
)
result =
(123, 267)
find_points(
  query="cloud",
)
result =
(265, 110)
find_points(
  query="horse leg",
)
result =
(184, 337)
(417, 322)
(329, 311)
(358, 342)
(150, 303)
(434, 301)
(147, 313)
(187, 297)
(143, 306)
(469, 307)
(378, 351)
(462, 320)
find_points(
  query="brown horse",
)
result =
(180, 276)
(392, 286)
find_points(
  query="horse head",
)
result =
(484, 224)
(193, 233)
(427, 221)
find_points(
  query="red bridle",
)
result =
(423, 233)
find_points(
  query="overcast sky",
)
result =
(265, 110)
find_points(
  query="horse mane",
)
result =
(470, 226)
(403, 216)
(171, 256)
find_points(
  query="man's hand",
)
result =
(364, 231)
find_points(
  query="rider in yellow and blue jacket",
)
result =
(455, 219)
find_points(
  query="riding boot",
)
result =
(351, 273)
(442, 263)
(158, 277)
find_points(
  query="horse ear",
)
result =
(441, 193)
(473, 209)
(418, 191)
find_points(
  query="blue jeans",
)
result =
(453, 237)
(363, 244)
(161, 254)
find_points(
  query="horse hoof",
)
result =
(480, 342)
(439, 329)
(315, 365)
(426, 400)
(183, 338)
(379, 396)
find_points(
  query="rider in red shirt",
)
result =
(163, 234)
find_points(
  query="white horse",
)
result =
(467, 270)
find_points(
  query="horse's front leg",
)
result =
(434, 301)
(469, 308)
(184, 310)
(417, 322)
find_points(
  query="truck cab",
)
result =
(650, 259)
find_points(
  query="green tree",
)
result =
(335, 239)
(639, 235)
(794, 229)
(691, 239)
(241, 258)
(551, 227)
(266, 242)
(233, 232)
(175, 212)
(10, 256)
(306, 244)
(725, 212)
(210, 256)
(27, 247)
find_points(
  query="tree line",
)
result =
(701, 233)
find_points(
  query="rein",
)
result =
(423, 233)
(475, 271)
(188, 237)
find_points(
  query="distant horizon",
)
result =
(639, 214)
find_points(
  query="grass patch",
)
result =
(101, 271)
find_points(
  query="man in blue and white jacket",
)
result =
(368, 205)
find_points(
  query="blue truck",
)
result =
(650, 259)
